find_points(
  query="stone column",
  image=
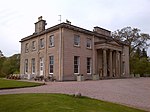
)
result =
(117, 64)
(121, 65)
(110, 64)
(114, 64)
(104, 63)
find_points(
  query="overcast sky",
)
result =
(17, 17)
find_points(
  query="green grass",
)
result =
(10, 84)
(57, 103)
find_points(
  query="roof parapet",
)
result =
(102, 31)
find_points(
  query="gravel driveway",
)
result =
(133, 92)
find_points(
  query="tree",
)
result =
(7, 67)
(1, 54)
(133, 37)
(144, 53)
(15, 62)
(141, 66)
(138, 53)
(2, 60)
(11, 65)
(139, 62)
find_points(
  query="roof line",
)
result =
(65, 25)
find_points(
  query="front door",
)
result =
(41, 66)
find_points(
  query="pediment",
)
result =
(106, 42)
(114, 43)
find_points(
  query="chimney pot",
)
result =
(40, 18)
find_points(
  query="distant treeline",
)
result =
(9, 65)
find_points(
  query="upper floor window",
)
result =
(42, 43)
(76, 40)
(33, 45)
(89, 43)
(27, 47)
(51, 41)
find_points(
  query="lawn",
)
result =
(57, 103)
(10, 84)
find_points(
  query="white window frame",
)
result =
(33, 45)
(27, 47)
(33, 65)
(42, 43)
(76, 40)
(88, 64)
(26, 66)
(41, 66)
(77, 64)
(51, 41)
(89, 43)
(51, 64)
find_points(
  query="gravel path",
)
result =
(132, 92)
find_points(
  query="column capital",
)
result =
(104, 49)
(117, 52)
(104, 63)
(110, 63)
(111, 50)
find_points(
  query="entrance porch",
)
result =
(109, 61)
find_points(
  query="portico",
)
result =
(108, 59)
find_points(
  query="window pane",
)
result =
(33, 65)
(26, 47)
(76, 64)
(88, 69)
(41, 43)
(41, 64)
(88, 65)
(26, 66)
(51, 64)
(76, 40)
(51, 41)
(33, 45)
(51, 68)
(89, 42)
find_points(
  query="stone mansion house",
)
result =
(64, 51)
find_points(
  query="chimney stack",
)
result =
(40, 25)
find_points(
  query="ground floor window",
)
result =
(41, 65)
(26, 66)
(51, 64)
(89, 65)
(33, 65)
(76, 64)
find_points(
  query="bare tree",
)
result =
(133, 37)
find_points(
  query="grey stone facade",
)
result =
(65, 51)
